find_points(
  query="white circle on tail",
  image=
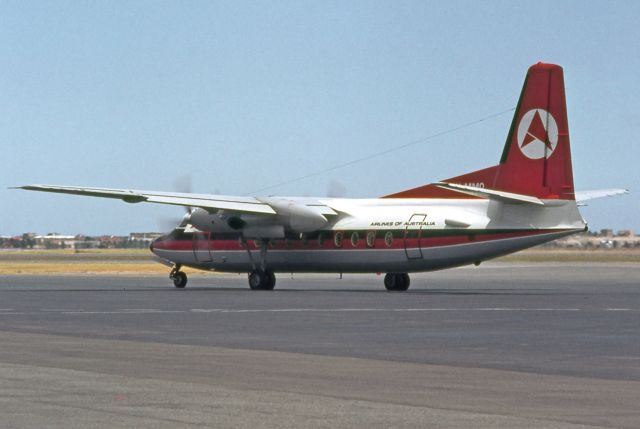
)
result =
(537, 134)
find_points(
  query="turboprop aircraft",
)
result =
(526, 199)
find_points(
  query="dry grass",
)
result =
(50, 268)
(124, 262)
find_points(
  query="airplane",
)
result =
(527, 199)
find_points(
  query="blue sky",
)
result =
(242, 95)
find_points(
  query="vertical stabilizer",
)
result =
(536, 159)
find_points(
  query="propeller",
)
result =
(183, 184)
(180, 184)
(335, 189)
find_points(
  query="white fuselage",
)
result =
(384, 235)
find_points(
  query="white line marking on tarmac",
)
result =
(354, 310)
(75, 312)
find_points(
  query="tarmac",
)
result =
(501, 345)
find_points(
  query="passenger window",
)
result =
(337, 239)
(354, 239)
(371, 238)
(388, 238)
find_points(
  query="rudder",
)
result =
(536, 159)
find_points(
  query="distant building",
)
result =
(145, 237)
(606, 233)
(605, 239)
(54, 241)
(111, 241)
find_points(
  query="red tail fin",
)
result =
(536, 159)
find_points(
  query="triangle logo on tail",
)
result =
(537, 134)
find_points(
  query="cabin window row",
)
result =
(339, 238)
(354, 238)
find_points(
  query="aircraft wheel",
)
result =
(179, 279)
(390, 281)
(272, 280)
(406, 281)
(262, 280)
(397, 282)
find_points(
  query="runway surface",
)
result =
(539, 345)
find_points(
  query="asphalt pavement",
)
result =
(500, 345)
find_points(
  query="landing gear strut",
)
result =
(179, 277)
(260, 278)
(397, 282)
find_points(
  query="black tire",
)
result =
(397, 282)
(391, 281)
(259, 280)
(180, 280)
(271, 280)
(405, 281)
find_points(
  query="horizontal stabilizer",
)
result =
(491, 193)
(582, 196)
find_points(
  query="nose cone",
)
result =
(155, 243)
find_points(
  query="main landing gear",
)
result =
(179, 277)
(262, 279)
(397, 282)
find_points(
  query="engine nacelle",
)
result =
(211, 222)
(290, 216)
(295, 216)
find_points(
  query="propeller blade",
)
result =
(336, 189)
(184, 184)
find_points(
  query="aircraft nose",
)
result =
(153, 243)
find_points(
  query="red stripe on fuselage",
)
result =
(399, 242)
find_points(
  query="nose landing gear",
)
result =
(179, 277)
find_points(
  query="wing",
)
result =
(211, 203)
(582, 196)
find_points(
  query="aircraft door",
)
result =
(413, 236)
(201, 247)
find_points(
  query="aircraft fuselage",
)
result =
(381, 235)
